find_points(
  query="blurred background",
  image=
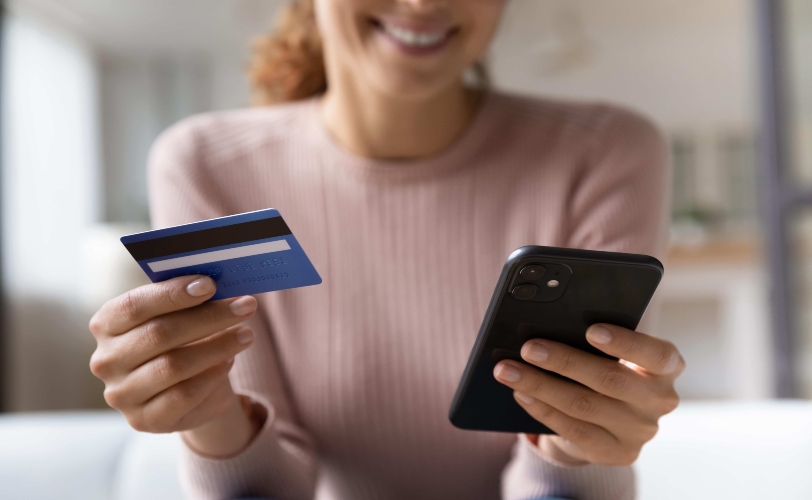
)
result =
(87, 85)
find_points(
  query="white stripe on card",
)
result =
(218, 255)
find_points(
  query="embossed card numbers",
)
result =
(245, 254)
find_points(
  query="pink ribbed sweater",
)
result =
(358, 373)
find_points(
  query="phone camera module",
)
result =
(525, 292)
(532, 272)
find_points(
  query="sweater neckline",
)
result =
(451, 158)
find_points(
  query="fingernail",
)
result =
(245, 335)
(599, 335)
(508, 373)
(535, 352)
(200, 287)
(243, 306)
(524, 398)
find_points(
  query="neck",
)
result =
(384, 127)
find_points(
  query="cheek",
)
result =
(339, 23)
(484, 17)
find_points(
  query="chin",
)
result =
(413, 59)
(415, 87)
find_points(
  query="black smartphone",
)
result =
(555, 294)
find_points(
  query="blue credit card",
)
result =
(248, 253)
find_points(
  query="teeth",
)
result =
(414, 38)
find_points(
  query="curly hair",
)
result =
(288, 64)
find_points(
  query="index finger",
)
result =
(653, 354)
(130, 309)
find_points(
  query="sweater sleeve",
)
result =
(281, 461)
(620, 202)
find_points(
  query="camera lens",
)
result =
(524, 292)
(532, 273)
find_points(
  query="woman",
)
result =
(408, 190)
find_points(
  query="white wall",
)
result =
(50, 196)
(141, 96)
(687, 64)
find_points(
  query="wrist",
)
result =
(228, 434)
(557, 450)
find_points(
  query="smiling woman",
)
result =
(409, 188)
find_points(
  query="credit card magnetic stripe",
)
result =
(208, 238)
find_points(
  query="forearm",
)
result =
(228, 435)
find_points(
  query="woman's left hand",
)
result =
(609, 418)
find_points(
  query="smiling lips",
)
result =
(414, 41)
(415, 38)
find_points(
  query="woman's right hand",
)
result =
(164, 355)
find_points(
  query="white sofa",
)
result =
(736, 450)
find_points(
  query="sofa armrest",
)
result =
(66, 455)
(742, 450)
